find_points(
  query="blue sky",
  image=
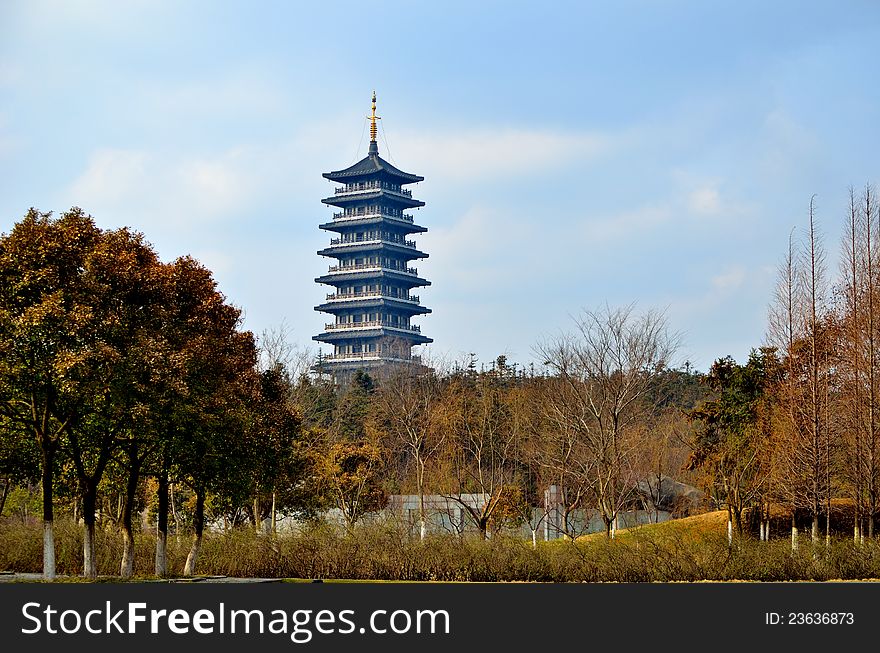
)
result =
(573, 153)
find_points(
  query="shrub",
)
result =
(389, 552)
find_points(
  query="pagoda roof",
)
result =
(413, 337)
(353, 223)
(409, 253)
(370, 165)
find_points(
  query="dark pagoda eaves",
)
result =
(369, 166)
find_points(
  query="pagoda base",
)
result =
(341, 368)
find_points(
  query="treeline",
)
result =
(796, 426)
(128, 383)
(508, 434)
(130, 393)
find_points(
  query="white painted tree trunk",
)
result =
(794, 538)
(126, 568)
(48, 551)
(729, 531)
(534, 538)
(90, 564)
(423, 529)
(761, 531)
(161, 554)
(192, 558)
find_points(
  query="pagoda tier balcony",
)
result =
(370, 355)
(367, 186)
(341, 335)
(397, 199)
(372, 302)
(343, 223)
(372, 247)
(391, 240)
(342, 297)
(342, 215)
(376, 324)
(372, 273)
(342, 269)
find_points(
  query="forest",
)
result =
(136, 409)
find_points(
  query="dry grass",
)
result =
(708, 523)
(693, 549)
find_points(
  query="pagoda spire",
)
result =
(374, 146)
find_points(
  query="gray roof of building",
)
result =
(370, 165)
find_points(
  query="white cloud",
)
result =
(481, 154)
(247, 92)
(112, 176)
(625, 224)
(787, 145)
(478, 244)
(148, 189)
(729, 280)
(704, 201)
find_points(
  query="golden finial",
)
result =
(373, 118)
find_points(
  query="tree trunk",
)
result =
(258, 513)
(90, 564)
(794, 533)
(814, 531)
(6, 484)
(274, 523)
(199, 524)
(174, 514)
(48, 454)
(162, 526)
(420, 480)
(126, 568)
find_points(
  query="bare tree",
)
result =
(406, 409)
(607, 367)
(816, 367)
(563, 456)
(870, 452)
(482, 446)
(783, 332)
(855, 411)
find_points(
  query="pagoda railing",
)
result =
(370, 266)
(376, 355)
(342, 216)
(359, 356)
(365, 241)
(369, 186)
(373, 324)
(359, 295)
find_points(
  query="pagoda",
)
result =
(372, 302)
